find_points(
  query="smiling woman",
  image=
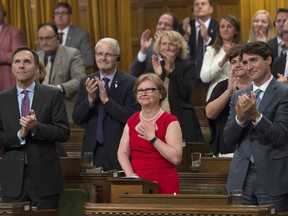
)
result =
(152, 138)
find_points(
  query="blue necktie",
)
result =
(25, 105)
(101, 115)
(258, 100)
(257, 96)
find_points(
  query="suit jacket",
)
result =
(138, 68)
(267, 141)
(43, 162)
(212, 31)
(67, 70)
(273, 43)
(120, 106)
(79, 39)
(182, 81)
(10, 39)
(279, 66)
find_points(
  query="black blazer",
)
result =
(43, 161)
(279, 65)
(273, 43)
(119, 108)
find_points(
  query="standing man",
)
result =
(104, 103)
(72, 36)
(142, 62)
(64, 65)
(32, 120)
(10, 39)
(200, 33)
(258, 127)
(276, 43)
(280, 65)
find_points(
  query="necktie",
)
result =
(25, 105)
(101, 115)
(257, 96)
(200, 52)
(258, 100)
(48, 70)
(61, 37)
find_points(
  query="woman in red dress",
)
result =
(151, 144)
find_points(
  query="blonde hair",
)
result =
(269, 33)
(176, 39)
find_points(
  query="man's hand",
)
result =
(145, 41)
(28, 123)
(91, 87)
(203, 30)
(102, 92)
(282, 78)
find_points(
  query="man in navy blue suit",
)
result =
(104, 103)
(200, 33)
(258, 127)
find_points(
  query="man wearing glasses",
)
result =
(104, 104)
(64, 65)
(72, 36)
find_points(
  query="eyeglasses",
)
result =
(61, 13)
(106, 55)
(146, 91)
(284, 33)
(48, 38)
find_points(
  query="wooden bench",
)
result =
(92, 209)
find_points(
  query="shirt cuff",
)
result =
(241, 124)
(207, 43)
(141, 57)
(22, 141)
(257, 120)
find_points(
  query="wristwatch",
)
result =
(152, 141)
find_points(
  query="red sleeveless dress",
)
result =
(147, 162)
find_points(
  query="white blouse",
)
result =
(211, 72)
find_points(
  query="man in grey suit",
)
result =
(258, 127)
(32, 119)
(66, 68)
(72, 36)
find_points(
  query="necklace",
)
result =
(151, 119)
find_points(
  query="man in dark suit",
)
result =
(10, 39)
(280, 65)
(200, 33)
(104, 103)
(142, 62)
(67, 66)
(32, 119)
(72, 36)
(258, 127)
(276, 43)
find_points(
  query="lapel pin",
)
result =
(116, 84)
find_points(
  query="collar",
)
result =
(207, 23)
(264, 86)
(65, 30)
(30, 88)
(110, 76)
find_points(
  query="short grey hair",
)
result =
(111, 41)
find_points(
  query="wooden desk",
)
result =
(92, 209)
(179, 199)
(121, 186)
(23, 209)
(215, 164)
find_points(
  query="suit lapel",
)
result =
(268, 96)
(56, 64)
(37, 99)
(68, 41)
(116, 83)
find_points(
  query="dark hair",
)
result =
(280, 10)
(209, 1)
(234, 51)
(25, 48)
(63, 4)
(237, 37)
(257, 48)
(175, 19)
(53, 26)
